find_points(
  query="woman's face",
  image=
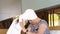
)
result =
(32, 21)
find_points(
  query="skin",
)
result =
(41, 30)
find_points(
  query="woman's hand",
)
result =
(22, 24)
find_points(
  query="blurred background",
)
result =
(45, 9)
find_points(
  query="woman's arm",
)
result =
(42, 29)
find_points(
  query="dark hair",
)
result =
(17, 20)
(27, 24)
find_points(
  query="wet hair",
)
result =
(17, 20)
(26, 25)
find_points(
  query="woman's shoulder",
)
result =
(43, 21)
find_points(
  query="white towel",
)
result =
(15, 28)
(29, 14)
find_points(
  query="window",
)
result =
(54, 19)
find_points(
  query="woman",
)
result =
(37, 25)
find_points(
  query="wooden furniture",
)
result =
(51, 15)
(5, 24)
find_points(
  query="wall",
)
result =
(13, 7)
(9, 8)
(38, 4)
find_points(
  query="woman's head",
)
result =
(35, 21)
(30, 15)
